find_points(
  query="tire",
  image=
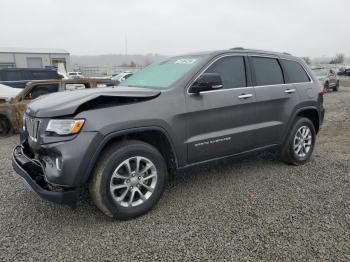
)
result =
(326, 86)
(336, 88)
(289, 151)
(5, 126)
(151, 183)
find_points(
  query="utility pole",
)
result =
(126, 45)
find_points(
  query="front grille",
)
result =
(32, 127)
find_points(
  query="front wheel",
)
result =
(300, 143)
(326, 86)
(5, 126)
(129, 179)
(336, 88)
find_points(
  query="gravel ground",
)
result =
(252, 209)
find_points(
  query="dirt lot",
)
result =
(252, 209)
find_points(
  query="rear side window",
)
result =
(40, 90)
(296, 73)
(267, 71)
(40, 75)
(72, 87)
(13, 76)
(232, 71)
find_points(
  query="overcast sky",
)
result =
(87, 27)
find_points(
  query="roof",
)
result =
(241, 50)
(33, 50)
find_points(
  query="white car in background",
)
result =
(8, 92)
(327, 77)
(122, 76)
(75, 75)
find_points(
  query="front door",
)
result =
(220, 122)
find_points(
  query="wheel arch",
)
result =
(155, 136)
(312, 114)
(6, 118)
(309, 112)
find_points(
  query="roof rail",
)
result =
(286, 53)
(237, 48)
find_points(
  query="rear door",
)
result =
(275, 99)
(15, 78)
(220, 121)
(43, 74)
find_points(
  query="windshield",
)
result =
(162, 74)
(320, 72)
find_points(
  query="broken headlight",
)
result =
(65, 126)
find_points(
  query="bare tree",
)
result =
(338, 59)
(307, 60)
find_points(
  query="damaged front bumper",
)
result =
(33, 174)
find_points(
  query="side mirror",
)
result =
(206, 82)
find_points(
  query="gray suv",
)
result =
(187, 110)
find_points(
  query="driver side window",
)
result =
(40, 90)
(232, 71)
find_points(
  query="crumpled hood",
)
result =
(66, 103)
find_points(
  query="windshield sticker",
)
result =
(186, 61)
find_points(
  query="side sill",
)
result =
(238, 155)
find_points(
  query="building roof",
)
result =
(32, 50)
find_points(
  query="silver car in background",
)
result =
(327, 77)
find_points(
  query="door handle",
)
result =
(245, 96)
(289, 91)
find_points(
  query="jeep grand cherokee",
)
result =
(186, 110)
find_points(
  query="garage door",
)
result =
(34, 62)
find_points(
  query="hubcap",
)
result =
(302, 141)
(133, 181)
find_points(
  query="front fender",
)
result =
(109, 137)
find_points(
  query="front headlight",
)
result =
(65, 126)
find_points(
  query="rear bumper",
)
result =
(33, 175)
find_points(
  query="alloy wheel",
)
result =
(133, 181)
(302, 141)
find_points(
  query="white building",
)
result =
(33, 57)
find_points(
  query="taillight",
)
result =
(322, 90)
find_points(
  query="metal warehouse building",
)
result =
(33, 57)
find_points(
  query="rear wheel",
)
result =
(129, 179)
(300, 143)
(5, 126)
